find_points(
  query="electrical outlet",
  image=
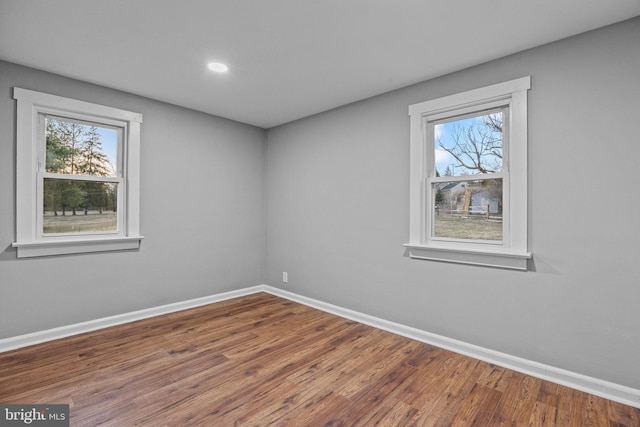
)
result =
(285, 277)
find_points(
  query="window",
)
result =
(77, 180)
(468, 177)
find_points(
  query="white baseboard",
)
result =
(595, 386)
(20, 341)
(608, 390)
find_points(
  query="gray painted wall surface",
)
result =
(337, 212)
(202, 215)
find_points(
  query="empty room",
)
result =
(308, 213)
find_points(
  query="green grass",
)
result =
(79, 223)
(471, 227)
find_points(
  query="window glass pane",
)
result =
(77, 149)
(468, 209)
(469, 146)
(72, 206)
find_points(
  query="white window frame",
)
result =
(512, 252)
(32, 106)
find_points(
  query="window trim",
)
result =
(29, 240)
(512, 252)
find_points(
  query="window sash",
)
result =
(120, 204)
(81, 119)
(431, 225)
(121, 199)
(428, 128)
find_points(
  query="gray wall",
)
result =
(202, 215)
(337, 212)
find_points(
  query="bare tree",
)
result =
(477, 144)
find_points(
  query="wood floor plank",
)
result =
(261, 360)
(399, 414)
(623, 415)
(517, 402)
(447, 398)
(495, 377)
(377, 373)
(477, 408)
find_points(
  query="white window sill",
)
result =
(64, 247)
(485, 256)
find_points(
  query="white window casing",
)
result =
(32, 107)
(512, 251)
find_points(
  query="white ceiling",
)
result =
(288, 58)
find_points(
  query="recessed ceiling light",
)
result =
(218, 67)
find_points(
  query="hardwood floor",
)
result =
(262, 360)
